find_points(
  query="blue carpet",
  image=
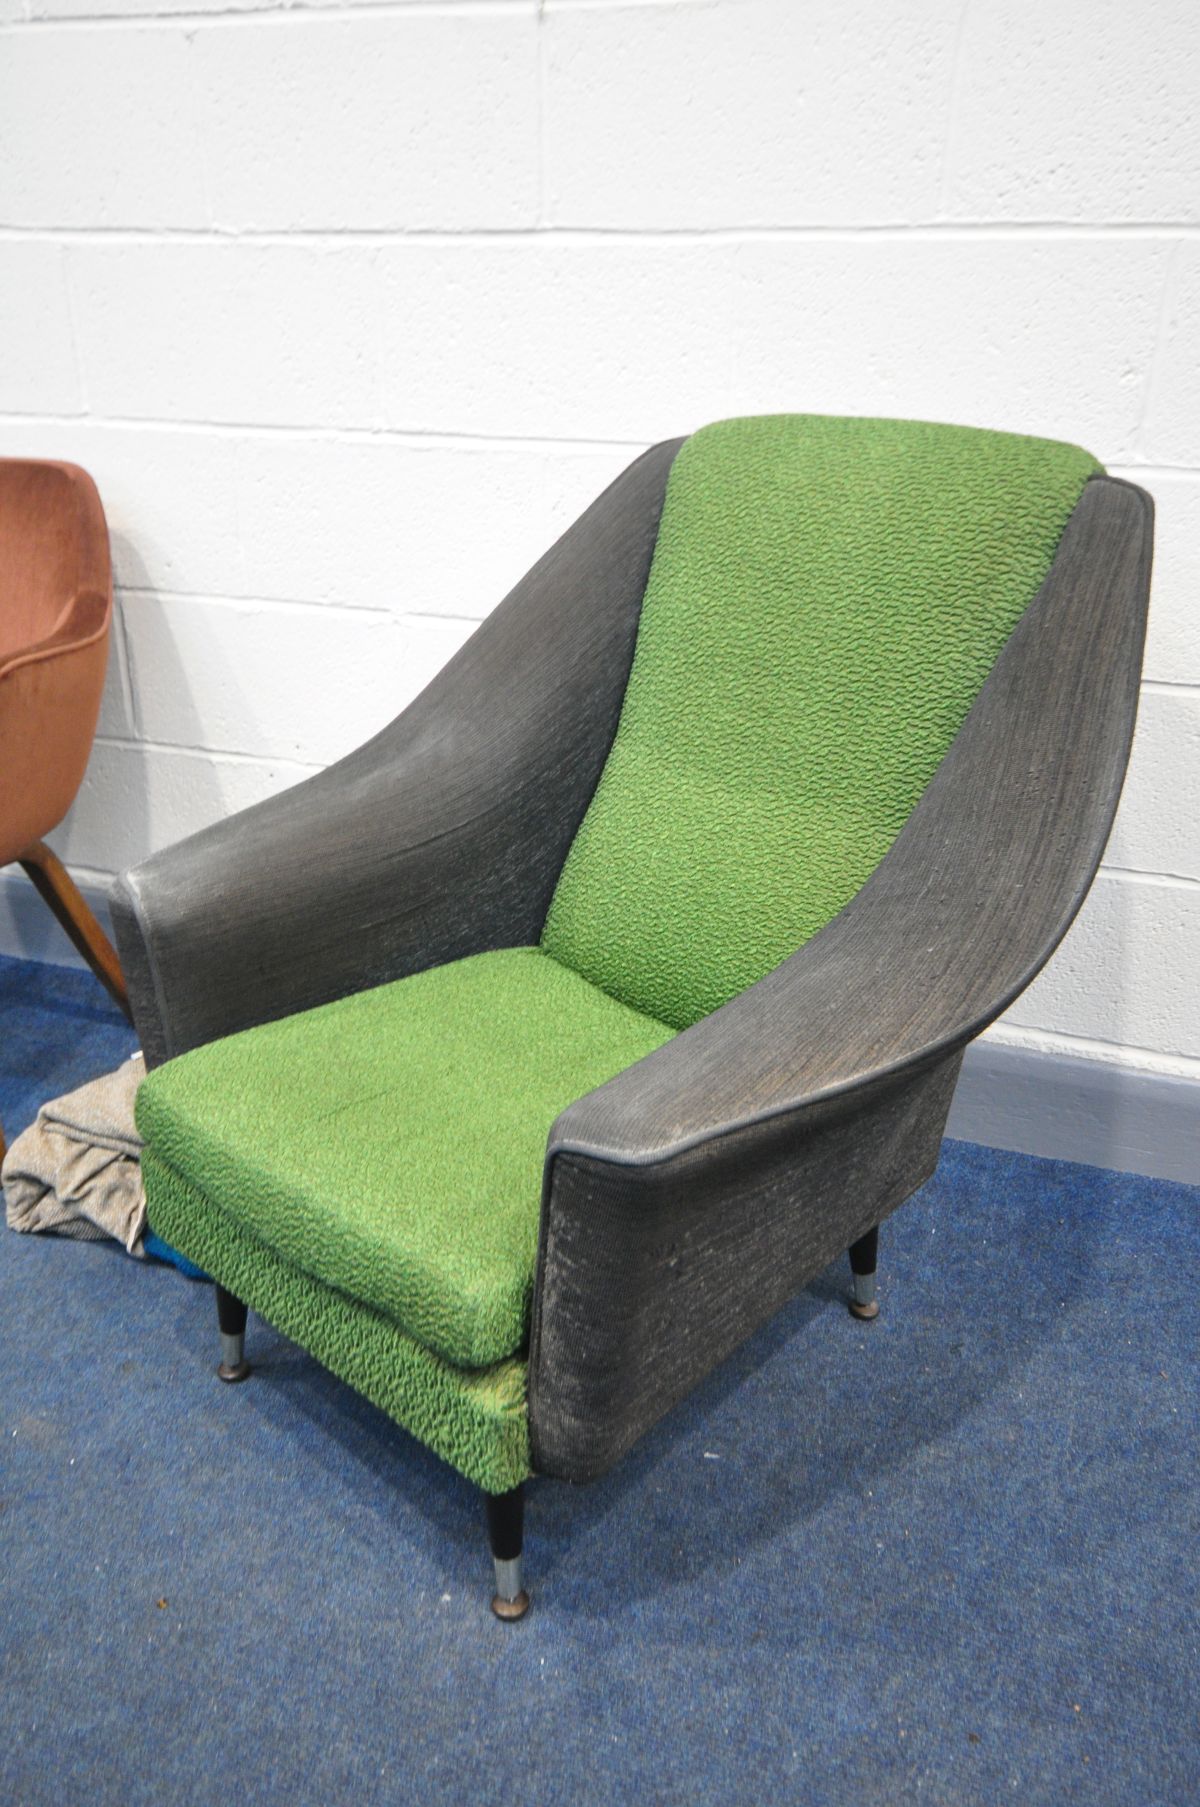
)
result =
(946, 1558)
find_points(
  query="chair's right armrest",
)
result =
(441, 837)
(688, 1197)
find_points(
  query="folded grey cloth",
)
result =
(77, 1169)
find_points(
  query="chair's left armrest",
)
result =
(441, 837)
(685, 1200)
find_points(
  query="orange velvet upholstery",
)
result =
(55, 611)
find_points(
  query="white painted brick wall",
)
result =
(350, 310)
(387, 123)
(766, 113)
(98, 128)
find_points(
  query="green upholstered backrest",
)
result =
(825, 601)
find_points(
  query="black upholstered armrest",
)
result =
(443, 836)
(687, 1198)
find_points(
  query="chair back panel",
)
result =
(55, 610)
(53, 545)
(826, 599)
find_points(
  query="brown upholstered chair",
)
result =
(55, 611)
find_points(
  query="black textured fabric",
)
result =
(443, 836)
(652, 1273)
(646, 1225)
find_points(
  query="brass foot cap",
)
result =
(511, 1610)
(233, 1371)
(865, 1312)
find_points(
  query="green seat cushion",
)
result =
(474, 1418)
(391, 1145)
(825, 601)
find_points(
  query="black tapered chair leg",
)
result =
(864, 1254)
(506, 1535)
(231, 1321)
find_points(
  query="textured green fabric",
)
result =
(391, 1144)
(474, 1419)
(826, 599)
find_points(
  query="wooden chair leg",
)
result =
(60, 891)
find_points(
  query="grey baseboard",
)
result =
(1078, 1110)
(27, 929)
